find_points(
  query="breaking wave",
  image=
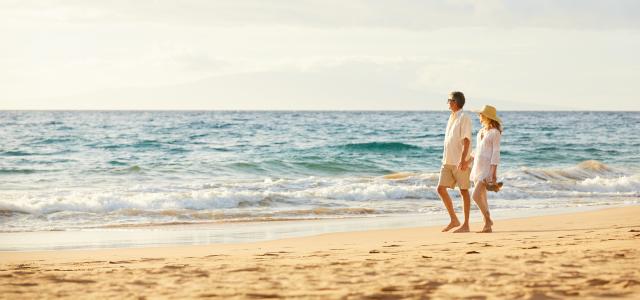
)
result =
(273, 199)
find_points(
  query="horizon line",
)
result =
(291, 110)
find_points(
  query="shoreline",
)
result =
(584, 255)
(212, 233)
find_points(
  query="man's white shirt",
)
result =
(458, 129)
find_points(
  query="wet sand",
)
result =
(586, 255)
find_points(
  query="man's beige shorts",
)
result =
(450, 176)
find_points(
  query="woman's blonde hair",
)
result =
(490, 123)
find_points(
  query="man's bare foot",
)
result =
(463, 228)
(451, 225)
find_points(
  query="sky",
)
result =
(319, 55)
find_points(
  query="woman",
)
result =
(486, 158)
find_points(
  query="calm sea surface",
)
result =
(78, 170)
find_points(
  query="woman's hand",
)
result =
(494, 173)
(466, 164)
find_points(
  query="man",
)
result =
(455, 169)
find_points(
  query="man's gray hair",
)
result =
(458, 97)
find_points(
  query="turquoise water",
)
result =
(75, 170)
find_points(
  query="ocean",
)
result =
(109, 170)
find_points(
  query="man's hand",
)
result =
(463, 165)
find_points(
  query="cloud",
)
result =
(406, 14)
(359, 83)
(532, 51)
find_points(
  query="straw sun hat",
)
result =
(490, 112)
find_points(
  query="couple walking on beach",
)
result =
(460, 165)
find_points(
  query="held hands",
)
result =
(463, 165)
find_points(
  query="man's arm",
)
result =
(466, 142)
(463, 163)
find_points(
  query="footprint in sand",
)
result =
(262, 295)
(371, 273)
(381, 296)
(368, 264)
(253, 269)
(209, 295)
(151, 259)
(119, 262)
(391, 288)
(475, 297)
(499, 274)
(23, 273)
(629, 283)
(571, 275)
(90, 262)
(534, 262)
(304, 267)
(142, 283)
(269, 254)
(597, 282)
(24, 284)
(174, 267)
(58, 279)
(541, 296)
(200, 273)
(22, 266)
(428, 285)
(567, 293)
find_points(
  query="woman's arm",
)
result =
(494, 173)
(495, 155)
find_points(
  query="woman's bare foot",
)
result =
(451, 225)
(487, 228)
(463, 228)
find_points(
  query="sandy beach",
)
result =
(586, 255)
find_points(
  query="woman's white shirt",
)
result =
(486, 153)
